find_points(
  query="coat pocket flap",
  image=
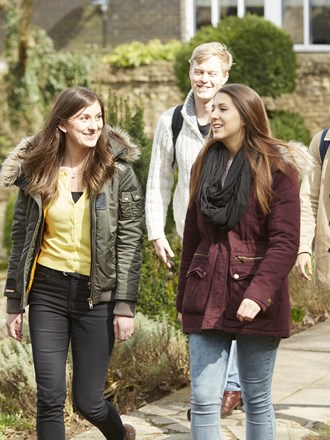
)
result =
(199, 266)
(244, 266)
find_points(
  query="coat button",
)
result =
(269, 301)
(236, 276)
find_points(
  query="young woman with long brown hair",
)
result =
(76, 256)
(240, 242)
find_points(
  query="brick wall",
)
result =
(77, 24)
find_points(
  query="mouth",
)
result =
(90, 135)
(216, 126)
(203, 87)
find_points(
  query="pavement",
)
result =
(301, 397)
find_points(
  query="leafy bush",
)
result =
(154, 361)
(310, 304)
(289, 126)
(263, 54)
(136, 54)
(158, 284)
(121, 114)
(47, 73)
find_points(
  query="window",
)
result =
(254, 7)
(228, 7)
(293, 19)
(319, 22)
(306, 21)
(203, 13)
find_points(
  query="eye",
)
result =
(213, 108)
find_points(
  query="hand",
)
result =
(163, 250)
(123, 327)
(304, 266)
(180, 317)
(247, 310)
(14, 324)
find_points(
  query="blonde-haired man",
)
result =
(210, 64)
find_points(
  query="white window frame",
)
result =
(273, 11)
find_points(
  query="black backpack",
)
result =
(177, 121)
(324, 145)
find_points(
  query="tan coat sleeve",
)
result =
(309, 198)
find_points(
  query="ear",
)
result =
(225, 78)
(62, 128)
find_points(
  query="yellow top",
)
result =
(66, 239)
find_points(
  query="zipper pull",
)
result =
(90, 303)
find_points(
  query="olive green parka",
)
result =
(117, 225)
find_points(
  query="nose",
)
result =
(92, 124)
(215, 114)
(205, 77)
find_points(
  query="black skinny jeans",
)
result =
(59, 314)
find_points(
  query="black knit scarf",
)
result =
(224, 206)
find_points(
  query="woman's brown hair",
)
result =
(42, 164)
(261, 150)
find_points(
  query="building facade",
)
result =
(80, 24)
(307, 21)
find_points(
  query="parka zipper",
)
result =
(92, 217)
(244, 258)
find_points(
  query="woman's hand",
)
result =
(14, 324)
(123, 327)
(247, 310)
(180, 317)
(304, 265)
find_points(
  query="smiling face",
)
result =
(84, 128)
(207, 78)
(226, 123)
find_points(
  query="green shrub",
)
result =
(17, 381)
(47, 73)
(158, 284)
(121, 114)
(289, 126)
(154, 361)
(263, 54)
(136, 54)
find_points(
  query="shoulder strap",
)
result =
(323, 145)
(177, 121)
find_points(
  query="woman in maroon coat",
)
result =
(240, 242)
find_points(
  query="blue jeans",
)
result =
(232, 383)
(59, 316)
(209, 357)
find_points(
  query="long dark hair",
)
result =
(261, 150)
(42, 164)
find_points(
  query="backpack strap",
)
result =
(177, 121)
(324, 145)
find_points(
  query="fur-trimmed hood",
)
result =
(298, 156)
(119, 141)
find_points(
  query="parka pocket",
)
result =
(242, 270)
(131, 204)
(197, 287)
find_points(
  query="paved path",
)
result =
(301, 396)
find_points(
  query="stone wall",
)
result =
(154, 87)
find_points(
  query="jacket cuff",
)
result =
(14, 306)
(125, 308)
(304, 248)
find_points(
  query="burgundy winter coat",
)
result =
(218, 270)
